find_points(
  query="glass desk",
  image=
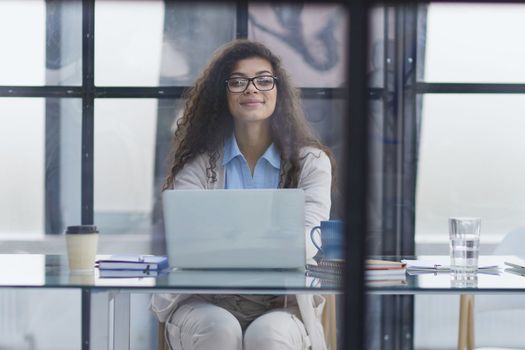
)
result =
(497, 281)
(105, 314)
(106, 301)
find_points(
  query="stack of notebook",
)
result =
(377, 272)
(385, 273)
(327, 272)
(121, 266)
(330, 267)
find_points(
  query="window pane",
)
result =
(169, 47)
(128, 53)
(471, 164)
(127, 138)
(310, 39)
(22, 140)
(31, 164)
(488, 49)
(41, 42)
(22, 24)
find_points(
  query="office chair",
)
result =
(328, 320)
(512, 244)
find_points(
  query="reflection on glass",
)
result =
(97, 280)
(40, 152)
(326, 117)
(70, 136)
(24, 270)
(463, 280)
(64, 42)
(125, 145)
(132, 139)
(376, 45)
(276, 279)
(127, 53)
(22, 61)
(169, 47)
(471, 163)
(22, 140)
(41, 42)
(485, 50)
(309, 38)
(192, 32)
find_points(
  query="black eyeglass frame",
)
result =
(252, 80)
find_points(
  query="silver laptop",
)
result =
(235, 229)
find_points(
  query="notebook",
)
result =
(235, 229)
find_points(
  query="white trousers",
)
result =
(199, 325)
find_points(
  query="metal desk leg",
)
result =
(121, 321)
(85, 317)
(466, 322)
(95, 319)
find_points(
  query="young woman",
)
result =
(243, 127)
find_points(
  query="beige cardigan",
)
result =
(315, 179)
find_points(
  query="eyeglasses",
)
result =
(261, 83)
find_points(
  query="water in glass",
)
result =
(464, 253)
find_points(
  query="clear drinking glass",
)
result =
(464, 244)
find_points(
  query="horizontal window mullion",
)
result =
(41, 91)
(469, 88)
(134, 92)
(323, 92)
(140, 92)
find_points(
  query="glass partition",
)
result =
(471, 94)
(89, 95)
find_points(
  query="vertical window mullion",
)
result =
(242, 20)
(356, 175)
(88, 85)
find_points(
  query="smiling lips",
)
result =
(251, 102)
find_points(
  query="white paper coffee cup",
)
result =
(81, 247)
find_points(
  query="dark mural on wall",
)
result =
(323, 55)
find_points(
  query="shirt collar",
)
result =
(231, 150)
(272, 156)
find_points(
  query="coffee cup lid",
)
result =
(82, 229)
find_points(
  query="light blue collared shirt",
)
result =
(237, 172)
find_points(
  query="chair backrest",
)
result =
(512, 244)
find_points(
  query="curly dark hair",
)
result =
(206, 121)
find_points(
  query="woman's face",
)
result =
(252, 105)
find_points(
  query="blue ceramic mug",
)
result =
(331, 233)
